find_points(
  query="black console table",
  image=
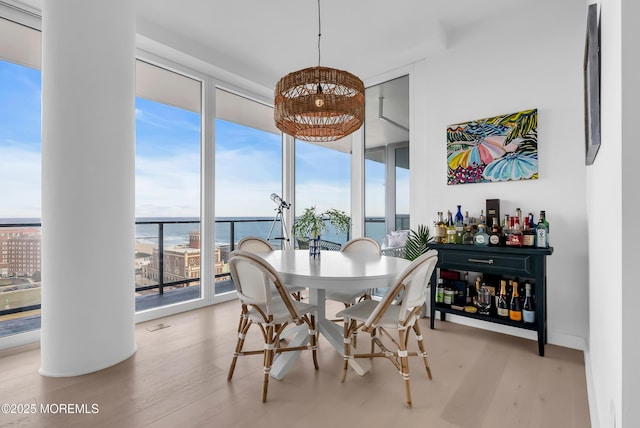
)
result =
(521, 262)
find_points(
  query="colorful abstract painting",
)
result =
(500, 148)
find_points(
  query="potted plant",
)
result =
(417, 242)
(311, 224)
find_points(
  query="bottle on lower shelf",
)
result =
(503, 306)
(528, 308)
(515, 310)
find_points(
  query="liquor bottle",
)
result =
(542, 231)
(440, 291)
(478, 284)
(483, 220)
(481, 237)
(451, 229)
(503, 306)
(505, 229)
(459, 225)
(467, 220)
(529, 232)
(515, 311)
(467, 238)
(474, 225)
(519, 215)
(494, 237)
(441, 230)
(516, 237)
(528, 308)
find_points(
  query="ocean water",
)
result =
(178, 234)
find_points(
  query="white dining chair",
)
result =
(255, 244)
(253, 278)
(399, 310)
(351, 296)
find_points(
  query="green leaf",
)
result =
(417, 242)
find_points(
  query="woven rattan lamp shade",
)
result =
(319, 104)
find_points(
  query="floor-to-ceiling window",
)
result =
(323, 180)
(387, 158)
(20, 175)
(248, 170)
(168, 138)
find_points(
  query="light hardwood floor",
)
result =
(178, 378)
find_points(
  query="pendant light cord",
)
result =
(319, 32)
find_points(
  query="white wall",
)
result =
(604, 199)
(630, 412)
(613, 350)
(528, 58)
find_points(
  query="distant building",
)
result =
(180, 262)
(19, 251)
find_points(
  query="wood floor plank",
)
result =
(178, 378)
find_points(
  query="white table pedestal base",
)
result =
(332, 331)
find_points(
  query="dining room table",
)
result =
(330, 270)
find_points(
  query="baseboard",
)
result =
(591, 391)
(553, 338)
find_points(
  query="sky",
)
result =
(247, 166)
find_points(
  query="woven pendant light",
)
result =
(319, 104)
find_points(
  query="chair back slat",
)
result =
(415, 292)
(253, 276)
(412, 283)
(255, 244)
(361, 245)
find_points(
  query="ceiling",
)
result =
(259, 41)
(262, 40)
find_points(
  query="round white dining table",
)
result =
(331, 270)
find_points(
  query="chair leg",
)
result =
(374, 333)
(245, 323)
(268, 360)
(416, 329)
(347, 347)
(313, 338)
(404, 365)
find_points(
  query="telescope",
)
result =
(278, 200)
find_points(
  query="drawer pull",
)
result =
(489, 262)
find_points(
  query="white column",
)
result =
(88, 155)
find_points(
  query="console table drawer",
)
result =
(517, 264)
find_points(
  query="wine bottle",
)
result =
(505, 230)
(528, 308)
(515, 310)
(542, 231)
(503, 306)
(529, 232)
